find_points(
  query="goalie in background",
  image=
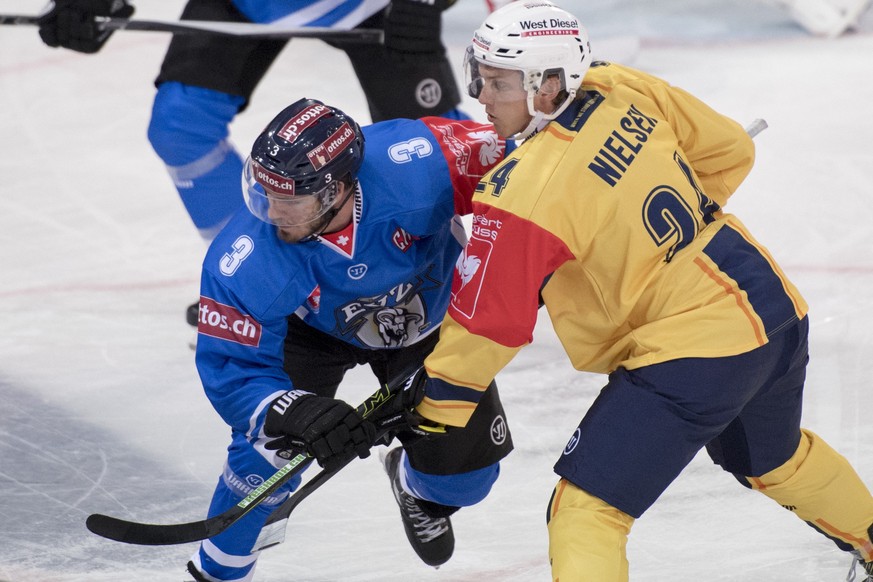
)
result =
(206, 80)
(825, 18)
(610, 214)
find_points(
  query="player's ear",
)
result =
(550, 87)
(545, 98)
(344, 186)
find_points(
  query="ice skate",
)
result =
(193, 571)
(859, 565)
(431, 537)
(192, 316)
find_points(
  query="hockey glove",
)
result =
(73, 24)
(415, 27)
(413, 426)
(327, 429)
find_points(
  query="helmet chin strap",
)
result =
(328, 216)
(537, 122)
(540, 119)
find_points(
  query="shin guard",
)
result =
(587, 537)
(820, 486)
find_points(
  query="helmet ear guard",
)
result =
(540, 40)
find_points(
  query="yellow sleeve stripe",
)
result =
(452, 414)
(476, 386)
(443, 405)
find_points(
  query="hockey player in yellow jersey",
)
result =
(610, 214)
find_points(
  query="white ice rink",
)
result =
(101, 409)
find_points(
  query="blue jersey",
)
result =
(341, 14)
(382, 283)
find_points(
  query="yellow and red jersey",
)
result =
(612, 215)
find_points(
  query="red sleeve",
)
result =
(471, 149)
(495, 291)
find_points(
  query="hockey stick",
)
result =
(756, 127)
(246, 29)
(273, 530)
(149, 534)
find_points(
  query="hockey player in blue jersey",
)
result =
(206, 80)
(341, 258)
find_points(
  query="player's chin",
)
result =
(292, 234)
(504, 130)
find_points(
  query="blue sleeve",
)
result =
(239, 358)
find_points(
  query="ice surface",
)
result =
(101, 409)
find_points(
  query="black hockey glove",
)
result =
(73, 24)
(410, 425)
(397, 415)
(328, 429)
(415, 27)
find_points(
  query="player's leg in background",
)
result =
(189, 133)
(403, 85)
(765, 448)
(203, 83)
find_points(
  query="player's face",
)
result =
(295, 218)
(317, 217)
(505, 99)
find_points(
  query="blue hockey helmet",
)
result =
(297, 160)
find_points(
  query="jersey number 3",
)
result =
(230, 262)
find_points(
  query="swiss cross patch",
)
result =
(227, 323)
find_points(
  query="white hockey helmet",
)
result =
(540, 40)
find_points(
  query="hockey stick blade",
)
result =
(247, 29)
(152, 534)
(157, 535)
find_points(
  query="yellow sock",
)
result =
(587, 537)
(821, 487)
